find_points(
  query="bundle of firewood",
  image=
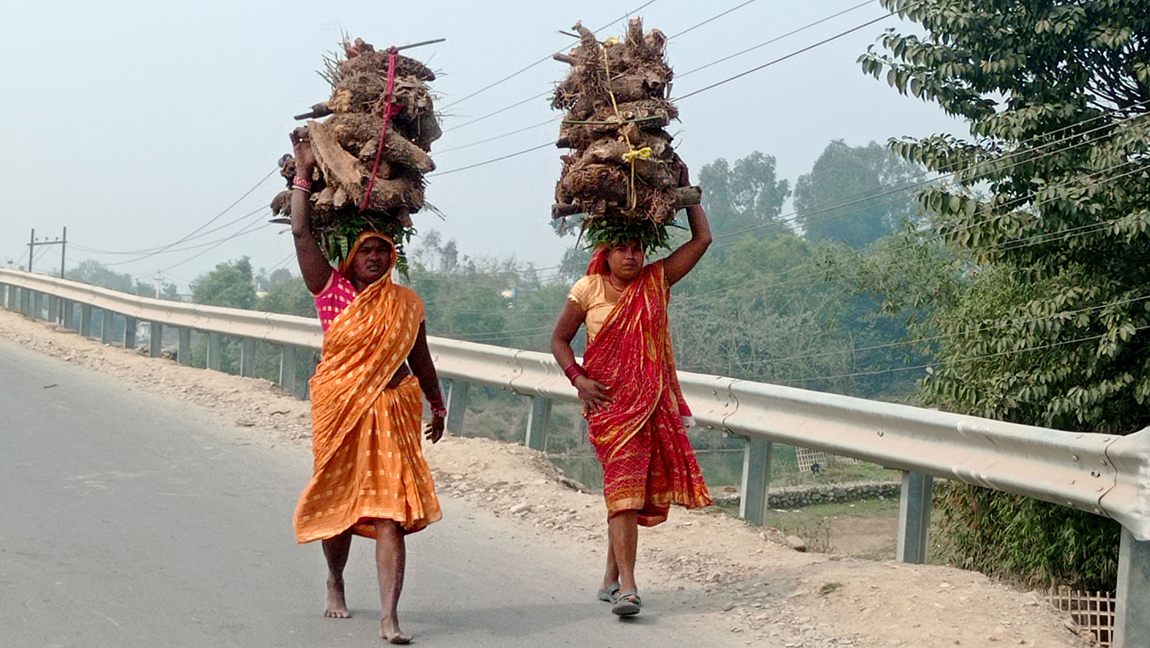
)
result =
(622, 172)
(346, 143)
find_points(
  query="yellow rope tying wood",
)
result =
(632, 154)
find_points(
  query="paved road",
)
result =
(130, 520)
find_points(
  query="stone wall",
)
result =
(793, 497)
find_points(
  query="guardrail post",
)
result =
(37, 305)
(287, 369)
(184, 350)
(914, 518)
(69, 316)
(537, 423)
(248, 358)
(456, 405)
(8, 292)
(129, 332)
(214, 351)
(753, 505)
(106, 326)
(26, 301)
(155, 339)
(4, 295)
(1132, 614)
(86, 320)
(53, 308)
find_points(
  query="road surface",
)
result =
(128, 519)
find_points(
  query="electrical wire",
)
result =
(934, 338)
(785, 57)
(545, 58)
(774, 40)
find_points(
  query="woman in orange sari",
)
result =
(630, 393)
(370, 477)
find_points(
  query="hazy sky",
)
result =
(134, 123)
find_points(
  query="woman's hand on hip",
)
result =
(593, 395)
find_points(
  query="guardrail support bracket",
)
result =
(914, 518)
(753, 504)
(184, 350)
(155, 339)
(456, 404)
(214, 351)
(1132, 616)
(248, 358)
(537, 423)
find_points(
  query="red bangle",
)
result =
(440, 411)
(300, 182)
(573, 371)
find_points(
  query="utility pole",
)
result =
(63, 243)
(159, 282)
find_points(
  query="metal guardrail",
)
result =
(1105, 474)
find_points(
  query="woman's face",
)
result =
(626, 259)
(372, 260)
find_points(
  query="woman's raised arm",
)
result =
(312, 265)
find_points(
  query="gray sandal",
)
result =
(627, 604)
(608, 595)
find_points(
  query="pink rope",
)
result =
(389, 111)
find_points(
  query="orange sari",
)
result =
(648, 462)
(366, 439)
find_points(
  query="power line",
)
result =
(697, 25)
(249, 215)
(498, 137)
(545, 58)
(967, 359)
(710, 20)
(788, 56)
(696, 92)
(793, 216)
(775, 39)
(933, 338)
(491, 161)
(816, 274)
(219, 243)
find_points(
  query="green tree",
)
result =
(746, 197)
(230, 285)
(287, 294)
(97, 274)
(1050, 207)
(848, 196)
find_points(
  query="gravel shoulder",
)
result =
(736, 578)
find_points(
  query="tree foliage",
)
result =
(745, 197)
(93, 272)
(230, 284)
(1049, 203)
(852, 195)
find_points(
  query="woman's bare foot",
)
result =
(335, 607)
(389, 631)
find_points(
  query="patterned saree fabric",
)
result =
(366, 438)
(648, 462)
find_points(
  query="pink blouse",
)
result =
(336, 296)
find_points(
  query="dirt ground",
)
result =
(744, 578)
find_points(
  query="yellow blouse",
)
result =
(597, 299)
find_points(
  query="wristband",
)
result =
(300, 182)
(574, 371)
(437, 407)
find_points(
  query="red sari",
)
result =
(648, 462)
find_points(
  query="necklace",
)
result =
(611, 280)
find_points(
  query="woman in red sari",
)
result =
(630, 393)
(370, 478)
